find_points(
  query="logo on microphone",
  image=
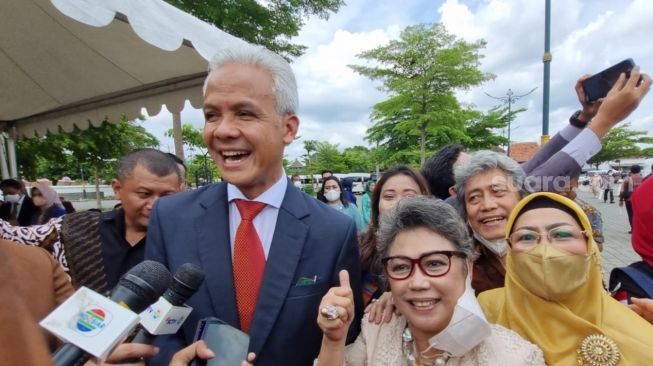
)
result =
(92, 320)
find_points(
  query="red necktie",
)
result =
(249, 262)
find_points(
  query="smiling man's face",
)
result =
(489, 198)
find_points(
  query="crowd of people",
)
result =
(474, 260)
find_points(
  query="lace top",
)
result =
(379, 345)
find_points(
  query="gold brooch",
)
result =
(598, 350)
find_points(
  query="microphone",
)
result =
(168, 314)
(84, 316)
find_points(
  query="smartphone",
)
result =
(597, 86)
(229, 344)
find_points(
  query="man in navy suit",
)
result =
(250, 101)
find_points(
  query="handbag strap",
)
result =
(640, 278)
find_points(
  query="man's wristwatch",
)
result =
(574, 121)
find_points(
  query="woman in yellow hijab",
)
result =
(553, 294)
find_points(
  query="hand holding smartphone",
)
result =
(227, 343)
(598, 85)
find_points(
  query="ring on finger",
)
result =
(330, 312)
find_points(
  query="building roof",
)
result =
(523, 151)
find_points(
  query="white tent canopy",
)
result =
(67, 62)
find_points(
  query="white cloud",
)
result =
(586, 37)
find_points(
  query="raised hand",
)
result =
(622, 99)
(337, 310)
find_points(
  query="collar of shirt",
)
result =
(273, 196)
(266, 221)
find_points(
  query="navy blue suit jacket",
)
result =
(311, 240)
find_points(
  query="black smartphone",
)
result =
(229, 344)
(597, 86)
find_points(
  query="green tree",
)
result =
(327, 156)
(190, 136)
(480, 127)
(271, 23)
(91, 152)
(421, 71)
(358, 159)
(621, 142)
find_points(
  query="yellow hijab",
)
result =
(560, 327)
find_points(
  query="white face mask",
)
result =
(332, 196)
(498, 247)
(13, 198)
(297, 184)
(467, 328)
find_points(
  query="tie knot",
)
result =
(249, 209)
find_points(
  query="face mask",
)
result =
(39, 201)
(13, 198)
(551, 273)
(498, 247)
(467, 328)
(297, 184)
(332, 196)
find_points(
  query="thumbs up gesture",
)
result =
(337, 310)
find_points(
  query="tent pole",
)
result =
(11, 150)
(176, 134)
(3, 157)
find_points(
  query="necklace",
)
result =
(410, 351)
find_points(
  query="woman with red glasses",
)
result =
(426, 255)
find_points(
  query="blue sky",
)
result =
(587, 36)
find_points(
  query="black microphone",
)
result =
(136, 290)
(185, 282)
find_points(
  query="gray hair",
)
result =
(482, 162)
(423, 212)
(284, 85)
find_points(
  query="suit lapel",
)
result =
(285, 252)
(215, 253)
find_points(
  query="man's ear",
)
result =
(290, 124)
(452, 191)
(115, 184)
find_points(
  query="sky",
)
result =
(586, 37)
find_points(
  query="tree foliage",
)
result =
(621, 142)
(81, 153)
(271, 23)
(421, 72)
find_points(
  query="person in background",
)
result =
(394, 185)
(334, 196)
(595, 186)
(347, 184)
(607, 185)
(628, 186)
(438, 170)
(427, 255)
(67, 205)
(553, 294)
(594, 215)
(48, 204)
(18, 208)
(325, 174)
(297, 181)
(182, 169)
(366, 203)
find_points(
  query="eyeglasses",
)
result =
(557, 235)
(432, 264)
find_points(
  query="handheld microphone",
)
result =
(168, 314)
(94, 326)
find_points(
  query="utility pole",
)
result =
(546, 59)
(509, 99)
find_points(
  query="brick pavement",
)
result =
(617, 250)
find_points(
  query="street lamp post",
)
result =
(510, 98)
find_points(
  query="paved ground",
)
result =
(617, 250)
